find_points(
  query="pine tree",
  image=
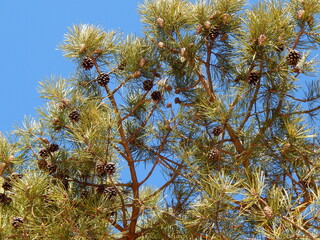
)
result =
(238, 152)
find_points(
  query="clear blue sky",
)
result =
(30, 33)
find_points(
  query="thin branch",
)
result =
(301, 32)
(120, 85)
(299, 227)
(133, 135)
(204, 83)
(150, 172)
(163, 186)
(302, 100)
(251, 104)
(209, 45)
(301, 112)
(136, 106)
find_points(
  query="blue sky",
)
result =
(31, 31)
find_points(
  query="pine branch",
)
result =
(299, 227)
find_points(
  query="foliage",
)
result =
(227, 129)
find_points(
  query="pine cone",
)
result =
(136, 74)
(110, 168)
(74, 116)
(87, 63)
(2, 197)
(142, 62)
(44, 153)
(147, 85)
(268, 212)
(177, 100)
(293, 57)
(214, 33)
(199, 29)
(110, 192)
(63, 104)
(214, 154)
(100, 168)
(103, 79)
(17, 221)
(217, 131)
(51, 168)
(15, 176)
(53, 147)
(8, 200)
(156, 96)
(160, 22)
(253, 78)
(7, 186)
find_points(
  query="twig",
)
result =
(300, 227)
